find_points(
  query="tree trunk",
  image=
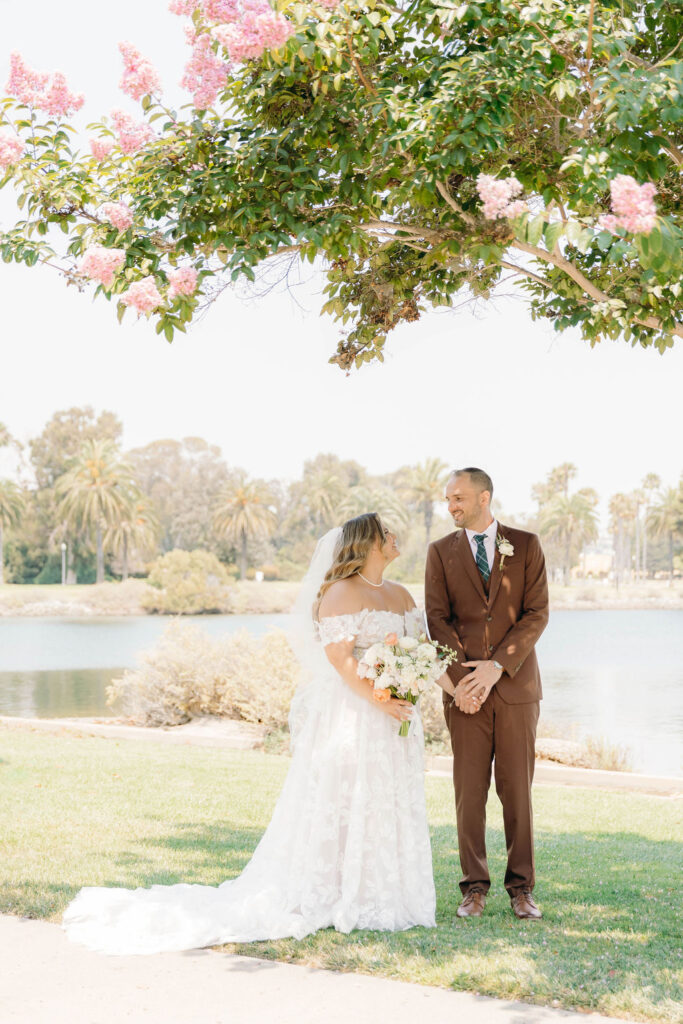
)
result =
(671, 558)
(2, 558)
(567, 560)
(644, 550)
(124, 576)
(100, 554)
(429, 518)
(70, 570)
(243, 556)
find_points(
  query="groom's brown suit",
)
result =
(500, 621)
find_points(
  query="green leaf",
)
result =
(551, 233)
(534, 229)
(605, 240)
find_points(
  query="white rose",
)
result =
(373, 654)
(506, 548)
(408, 643)
(426, 651)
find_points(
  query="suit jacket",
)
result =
(502, 625)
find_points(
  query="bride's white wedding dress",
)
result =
(347, 846)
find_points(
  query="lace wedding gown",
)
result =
(347, 846)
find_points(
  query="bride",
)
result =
(348, 844)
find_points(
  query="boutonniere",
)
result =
(505, 548)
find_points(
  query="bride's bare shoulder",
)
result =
(400, 595)
(343, 597)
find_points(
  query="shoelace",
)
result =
(528, 897)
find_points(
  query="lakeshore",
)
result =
(247, 597)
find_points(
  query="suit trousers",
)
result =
(502, 735)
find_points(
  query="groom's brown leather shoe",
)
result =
(525, 908)
(472, 904)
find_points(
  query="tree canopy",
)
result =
(419, 150)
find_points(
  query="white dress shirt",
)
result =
(489, 542)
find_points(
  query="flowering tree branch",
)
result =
(409, 149)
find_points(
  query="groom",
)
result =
(486, 596)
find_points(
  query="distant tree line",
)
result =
(94, 512)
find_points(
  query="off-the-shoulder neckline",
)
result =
(366, 611)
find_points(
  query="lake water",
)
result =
(615, 674)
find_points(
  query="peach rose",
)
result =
(381, 696)
(391, 638)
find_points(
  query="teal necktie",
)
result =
(481, 559)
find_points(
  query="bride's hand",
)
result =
(401, 710)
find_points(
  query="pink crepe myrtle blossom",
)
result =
(23, 83)
(143, 295)
(183, 7)
(632, 204)
(101, 148)
(205, 73)
(118, 215)
(140, 77)
(132, 135)
(34, 89)
(11, 148)
(226, 11)
(259, 28)
(58, 100)
(100, 263)
(183, 281)
(497, 196)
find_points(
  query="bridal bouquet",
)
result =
(404, 667)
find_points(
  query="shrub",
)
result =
(270, 572)
(431, 709)
(236, 676)
(600, 753)
(187, 583)
(190, 673)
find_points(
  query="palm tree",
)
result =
(571, 520)
(381, 500)
(94, 494)
(623, 511)
(137, 529)
(323, 491)
(651, 483)
(557, 481)
(11, 506)
(243, 513)
(666, 520)
(423, 485)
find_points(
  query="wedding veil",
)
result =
(303, 635)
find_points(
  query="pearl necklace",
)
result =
(370, 581)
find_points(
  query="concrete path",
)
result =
(48, 980)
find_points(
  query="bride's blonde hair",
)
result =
(357, 538)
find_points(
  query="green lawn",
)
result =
(85, 811)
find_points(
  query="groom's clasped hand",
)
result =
(473, 689)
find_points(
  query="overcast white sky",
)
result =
(497, 391)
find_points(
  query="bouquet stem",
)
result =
(404, 729)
